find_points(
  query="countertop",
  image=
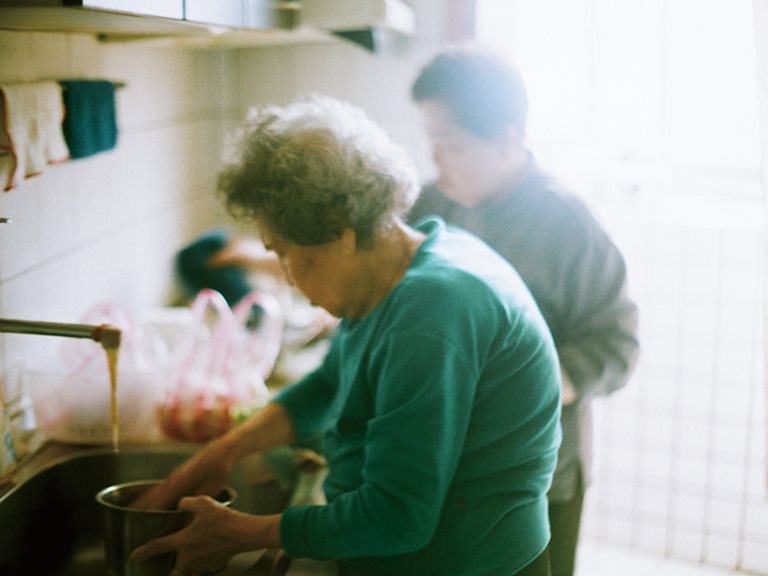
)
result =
(50, 452)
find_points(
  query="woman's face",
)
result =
(469, 167)
(319, 272)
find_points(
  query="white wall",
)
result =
(106, 228)
(380, 82)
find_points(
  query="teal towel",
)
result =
(90, 120)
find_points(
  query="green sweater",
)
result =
(440, 410)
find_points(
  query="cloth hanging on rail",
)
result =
(30, 130)
(90, 121)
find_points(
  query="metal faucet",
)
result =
(108, 336)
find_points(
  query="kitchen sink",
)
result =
(51, 524)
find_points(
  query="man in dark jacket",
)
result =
(474, 106)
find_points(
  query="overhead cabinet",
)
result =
(141, 17)
(162, 8)
(229, 13)
(213, 22)
(244, 14)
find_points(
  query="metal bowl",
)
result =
(126, 528)
(53, 525)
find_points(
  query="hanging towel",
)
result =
(90, 122)
(30, 132)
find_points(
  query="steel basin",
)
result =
(50, 524)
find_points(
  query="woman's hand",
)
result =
(205, 474)
(215, 534)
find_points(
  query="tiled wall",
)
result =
(380, 83)
(105, 228)
(681, 467)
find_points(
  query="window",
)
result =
(649, 109)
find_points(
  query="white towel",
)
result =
(30, 130)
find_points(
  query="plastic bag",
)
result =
(71, 398)
(220, 365)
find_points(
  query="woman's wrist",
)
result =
(269, 427)
(252, 532)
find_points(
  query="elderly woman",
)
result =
(438, 399)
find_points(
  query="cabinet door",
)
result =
(266, 13)
(220, 13)
(165, 8)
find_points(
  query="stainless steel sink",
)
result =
(50, 523)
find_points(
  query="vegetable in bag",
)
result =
(220, 366)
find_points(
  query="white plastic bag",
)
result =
(71, 398)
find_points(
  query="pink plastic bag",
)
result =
(220, 366)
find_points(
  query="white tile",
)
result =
(687, 544)
(52, 56)
(682, 568)
(607, 560)
(733, 397)
(691, 437)
(656, 466)
(696, 400)
(757, 450)
(266, 76)
(691, 475)
(755, 557)
(656, 504)
(320, 75)
(657, 431)
(619, 530)
(688, 511)
(721, 551)
(651, 537)
(727, 479)
(756, 483)
(621, 498)
(45, 294)
(725, 516)
(99, 204)
(21, 239)
(599, 559)
(729, 435)
(756, 520)
(166, 75)
(87, 58)
(617, 461)
(16, 48)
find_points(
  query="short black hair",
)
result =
(484, 93)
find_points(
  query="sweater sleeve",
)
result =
(598, 348)
(421, 396)
(308, 401)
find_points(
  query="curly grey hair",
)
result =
(309, 170)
